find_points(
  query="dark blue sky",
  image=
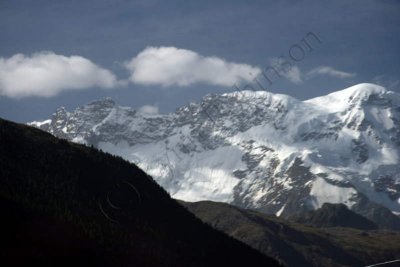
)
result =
(359, 38)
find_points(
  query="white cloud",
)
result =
(46, 74)
(326, 70)
(149, 109)
(168, 66)
(286, 69)
(293, 74)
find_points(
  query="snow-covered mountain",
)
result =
(257, 150)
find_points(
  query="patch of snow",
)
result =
(324, 192)
(39, 123)
(279, 212)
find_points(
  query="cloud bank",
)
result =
(45, 74)
(171, 66)
(326, 70)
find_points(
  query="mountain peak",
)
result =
(103, 102)
(262, 97)
(248, 94)
(361, 90)
(60, 112)
(356, 94)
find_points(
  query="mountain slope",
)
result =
(68, 204)
(257, 150)
(300, 245)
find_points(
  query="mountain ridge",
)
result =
(258, 150)
(335, 215)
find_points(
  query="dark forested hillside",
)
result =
(64, 204)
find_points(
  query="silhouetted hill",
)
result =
(335, 215)
(299, 245)
(65, 204)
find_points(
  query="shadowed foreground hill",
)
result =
(299, 245)
(64, 204)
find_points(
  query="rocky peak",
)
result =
(106, 102)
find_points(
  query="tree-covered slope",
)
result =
(65, 204)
